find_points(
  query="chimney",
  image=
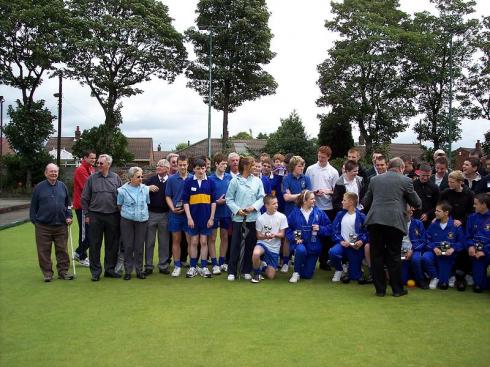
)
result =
(478, 146)
(77, 133)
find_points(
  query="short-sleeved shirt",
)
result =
(199, 196)
(220, 188)
(275, 223)
(175, 187)
(295, 185)
(323, 178)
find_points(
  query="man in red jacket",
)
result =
(81, 175)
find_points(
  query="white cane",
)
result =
(71, 250)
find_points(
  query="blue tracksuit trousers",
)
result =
(432, 263)
(304, 262)
(354, 257)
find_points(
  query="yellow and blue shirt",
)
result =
(199, 197)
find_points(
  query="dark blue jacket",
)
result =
(158, 204)
(50, 203)
(296, 221)
(453, 235)
(359, 225)
(417, 235)
(478, 229)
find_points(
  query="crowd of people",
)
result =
(400, 221)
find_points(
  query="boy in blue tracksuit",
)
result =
(349, 236)
(478, 241)
(414, 244)
(306, 224)
(200, 206)
(444, 240)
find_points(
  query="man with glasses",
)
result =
(99, 206)
(428, 192)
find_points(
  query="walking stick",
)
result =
(71, 250)
(244, 231)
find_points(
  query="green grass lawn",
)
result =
(163, 321)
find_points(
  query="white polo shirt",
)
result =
(323, 178)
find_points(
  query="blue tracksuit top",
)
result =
(175, 187)
(276, 190)
(417, 235)
(296, 221)
(359, 224)
(453, 235)
(220, 188)
(478, 229)
(295, 185)
(199, 199)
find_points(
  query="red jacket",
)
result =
(81, 176)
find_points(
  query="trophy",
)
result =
(179, 204)
(353, 238)
(267, 230)
(479, 246)
(444, 247)
(297, 235)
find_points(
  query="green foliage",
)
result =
(430, 55)
(97, 138)
(262, 136)
(242, 135)
(290, 137)
(115, 44)
(241, 46)
(486, 144)
(336, 132)
(17, 167)
(363, 75)
(30, 43)
(181, 146)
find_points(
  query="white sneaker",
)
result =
(337, 275)
(192, 272)
(451, 282)
(433, 283)
(231, 277)
(247, 276)
(85, 263)
(216, 270)
(224, 268)
(176, 272)
(285, 268)
(294, 278)
(469, 280)
(205, 273)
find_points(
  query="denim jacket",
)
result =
(134, 202)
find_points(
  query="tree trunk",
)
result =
(28, 180)
(224, 139)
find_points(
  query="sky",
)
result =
(173, 114)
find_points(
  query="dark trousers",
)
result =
(133, 239)
(84, 245)
(386, 244)
(103, 226)
(326, 241)
(236, 241)
(45, 236)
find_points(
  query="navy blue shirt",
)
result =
(295, 185)
(49, 203)
(158, 204)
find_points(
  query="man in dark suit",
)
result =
(387, 198)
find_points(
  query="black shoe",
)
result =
(95, 278)
(423, 285)
(148, 272)
(127, 276)
(443, 286)
(48, 278)
(111, 274)
(380, 294)
(141, 276)
(65, 276)
(362, 281)
(345, 279)
(404, 292)
(460, 285)
(325, 267)
(477, 289)
(164, 271)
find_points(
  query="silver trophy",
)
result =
(406, 247)
(479, 246)
(297, 235)
(267, 230)
(179, 204)
(353, 238)
(444, 247)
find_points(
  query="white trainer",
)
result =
(224, 268)
(247, 276)
(231, 277)
(285, 268)
(469, 280)
(451, 282)
(337, 275)
(216, 270)
(192, 272)
(176, 272)
(85, 263)
(433, 283)
(205, 273)
(294, 278)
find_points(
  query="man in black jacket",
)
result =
(428, 192)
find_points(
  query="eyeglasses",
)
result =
(139, 176)
(100, 163)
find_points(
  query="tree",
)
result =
(242, 135)
(364, 74)
(436, 44)
(115, 45)
(475, 88)
(27, 133)
(486, 144)
(181, 146)
(241, 46)
(336, 132)
(96, 137)
(262, 136)
(30, 44)
(290, 137)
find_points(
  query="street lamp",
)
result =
(450, 115)
(59, 95)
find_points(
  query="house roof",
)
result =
(6, 148)
(157, 155)
(241, 146)
(396, 150)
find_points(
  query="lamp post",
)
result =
(450, 114)
(59, 96)
(1, 126)
(210, 97)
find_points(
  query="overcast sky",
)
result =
(172, 113)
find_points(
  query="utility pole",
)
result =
(59, 95)
(450, 114)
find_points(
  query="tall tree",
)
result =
(116, 44)
(30, 43)
(363, 74)
(439, 46)
(241, 46)
(475, 88)
(291, 137)
(336, 132)
(27, 133)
